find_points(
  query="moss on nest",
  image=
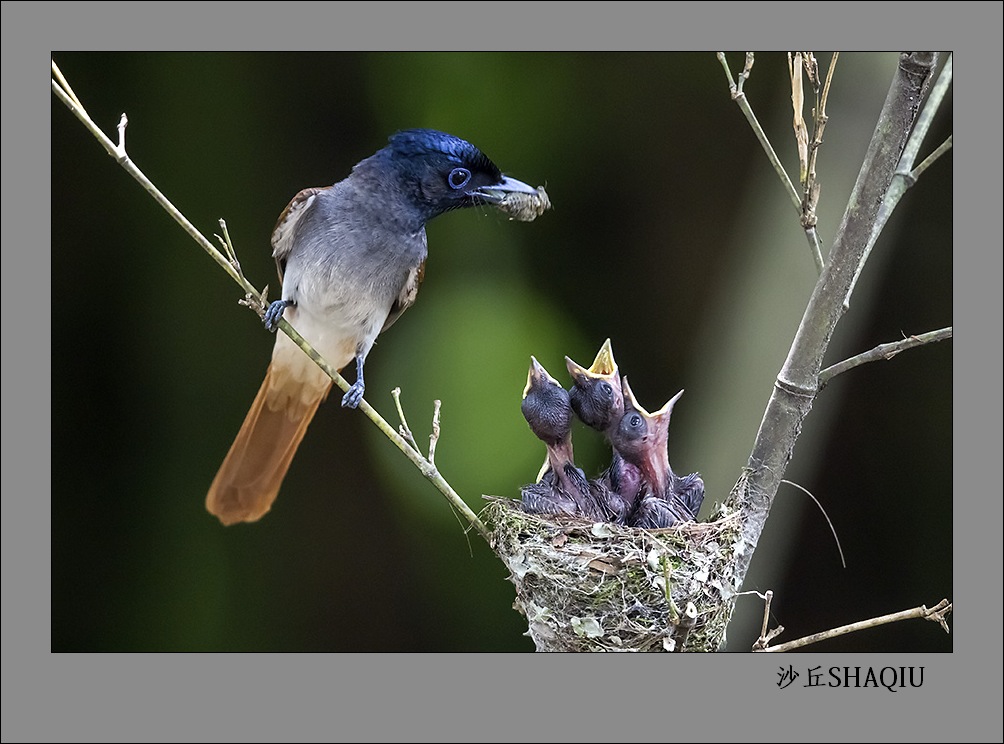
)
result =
(602, 587)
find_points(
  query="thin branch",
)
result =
(65, 85)
(404, 429)
(118, 152)
(753, 592)
(883, 352)
(929, 160)
(812, 186)
(815, 246)
(936, 614)
(798, 121)
(434, 436)
(736, 87)
(740, 98)
(123, 123)
(228, 246)
(820, 116)
(768, 598)
(256, 302)
(766, 636)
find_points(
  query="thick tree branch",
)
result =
(798, 382)
(906, 175)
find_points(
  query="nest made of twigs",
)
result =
(603, 587)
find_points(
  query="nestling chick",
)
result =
(598, 401)
(563, 489)
(641, 439)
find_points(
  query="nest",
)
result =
(586, 586)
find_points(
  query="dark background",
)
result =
(670, 235)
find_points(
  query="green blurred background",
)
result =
(670, 234)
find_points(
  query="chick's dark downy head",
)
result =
(545, 406)
(596, 395)
(436, 172)
(641, 438)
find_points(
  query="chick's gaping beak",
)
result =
(603, 367)
(604, 363)
(662, 414)
(537, 376)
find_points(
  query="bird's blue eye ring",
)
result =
(458, 178)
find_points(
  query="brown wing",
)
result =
(407, 296)
(285, 226)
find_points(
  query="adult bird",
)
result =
(351, 257)
(563, 488)
(641, 439)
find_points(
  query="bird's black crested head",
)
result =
(435, 172)
(434, 147)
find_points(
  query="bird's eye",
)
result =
(605, 389)
(458, 178)
(632, 427)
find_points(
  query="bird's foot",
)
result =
(274, 314)
(352, 398)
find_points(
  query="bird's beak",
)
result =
(495, 193)
(603, 365)
(537, 376)
(663, 412)
(667, 409)
(630, 400)
(577, 372)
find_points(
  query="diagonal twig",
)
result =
(744, 105)
(739, 97)
(883, 352)
(936, 614)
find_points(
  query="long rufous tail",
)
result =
(252, 472)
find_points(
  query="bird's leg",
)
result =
(351, 399)
(274, 314)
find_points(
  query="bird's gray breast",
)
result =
(350, 260)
